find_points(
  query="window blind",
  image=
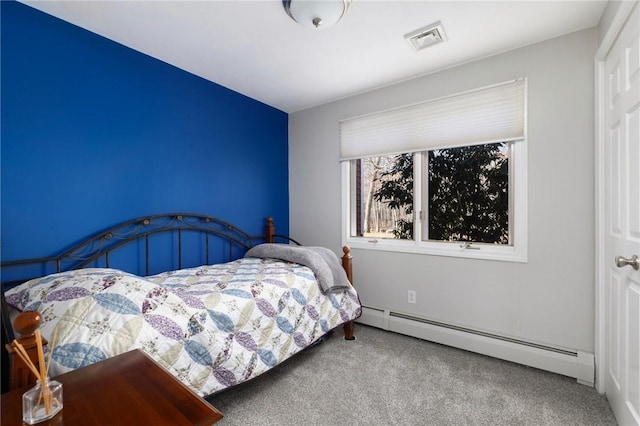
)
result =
(486, 115)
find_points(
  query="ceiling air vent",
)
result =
(426, 36)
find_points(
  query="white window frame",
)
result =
(514, 252)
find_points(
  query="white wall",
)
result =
(548, 300)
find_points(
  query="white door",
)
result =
(622, 222)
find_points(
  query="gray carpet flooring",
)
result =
(385, 378)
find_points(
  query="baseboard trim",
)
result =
(577, 364)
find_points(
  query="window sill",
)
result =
(476, 251)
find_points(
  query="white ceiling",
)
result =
(254, 48)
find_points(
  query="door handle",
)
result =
(634, 262)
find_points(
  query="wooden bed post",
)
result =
(26, 323)
(348, 268)
(346, 262)
(270, 231)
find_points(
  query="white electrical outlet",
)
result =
(411, 296)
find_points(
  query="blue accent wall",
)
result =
(94, 133)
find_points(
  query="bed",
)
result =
(214, 305)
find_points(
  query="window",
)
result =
(455, 199)
(467, 194)
(383, 197)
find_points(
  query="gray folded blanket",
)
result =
(323, 262)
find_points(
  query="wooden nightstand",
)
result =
(125, 390)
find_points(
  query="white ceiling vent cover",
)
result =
(426, 36)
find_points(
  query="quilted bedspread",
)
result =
(211, 326)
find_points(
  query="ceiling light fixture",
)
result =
(316, 13)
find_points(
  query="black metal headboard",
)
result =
(135, 241)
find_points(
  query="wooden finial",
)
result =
(270, 231)
(346, 262)
(27, 322)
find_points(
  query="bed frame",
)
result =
(186, 239)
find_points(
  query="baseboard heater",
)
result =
(577, 364)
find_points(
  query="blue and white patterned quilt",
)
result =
(211, 326)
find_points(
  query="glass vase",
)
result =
(42, 402)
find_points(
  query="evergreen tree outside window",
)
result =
(467, 195)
